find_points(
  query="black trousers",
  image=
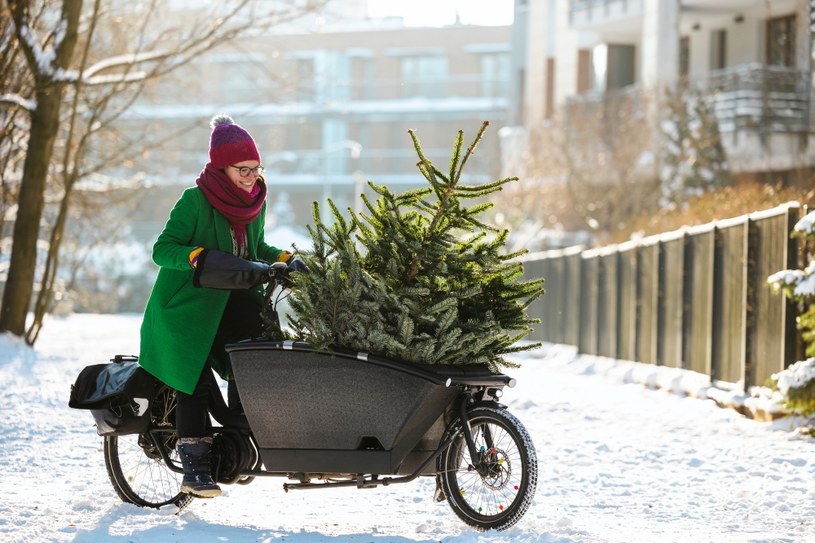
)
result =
(241, 320)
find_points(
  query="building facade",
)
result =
(753, 57)
(331, 109)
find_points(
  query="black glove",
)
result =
(296, 264)
(217, 269)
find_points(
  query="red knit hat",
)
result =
(229, 143)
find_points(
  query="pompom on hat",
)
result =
(229, 143)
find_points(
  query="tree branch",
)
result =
(15, 100)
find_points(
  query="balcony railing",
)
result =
(765, 99)
(770, 99)
(589, 12)
(578, 5)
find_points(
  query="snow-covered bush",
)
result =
(797, 383)
(797, 386)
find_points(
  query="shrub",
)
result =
(796, 383)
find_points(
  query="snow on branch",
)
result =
(19, 101)
(806, 226)
(44, 59)
(128, 77)
(124, 60)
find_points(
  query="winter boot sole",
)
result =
(208, 492)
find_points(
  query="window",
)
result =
(621, 66)
(243, 79)
(424, 76)
(362, 78)
(549, 110)
(305, 80)
(781, 41)
(684, 56)
(585, 71)
(494, 74)
(606, 67)
(718, 50)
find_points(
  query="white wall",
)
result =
(659, 49)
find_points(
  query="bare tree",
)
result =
(693, 156)
(591, 168)
(538, 209)
(47, 58)
(13, 125)
(81, 68)
(610, 153)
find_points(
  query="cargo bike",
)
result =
(326, 420)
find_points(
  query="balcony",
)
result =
(749, 97)
(766, 99)
(604, 15)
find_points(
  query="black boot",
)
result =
(194, 454)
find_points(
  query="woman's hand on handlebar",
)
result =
(296, 264)
(222, 270)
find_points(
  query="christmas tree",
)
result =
(418, 277)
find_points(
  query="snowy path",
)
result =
(618, 463)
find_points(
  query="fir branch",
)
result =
(490, 187)
(471, 150)
(456, 154)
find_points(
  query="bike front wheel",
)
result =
(494, 490)
(136, 466)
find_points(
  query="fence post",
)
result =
(626, 302)
(671, 305)
(730, 301)
(698, 297)
(608, 303)
(771, 316)
(589, 272)
(647, 302)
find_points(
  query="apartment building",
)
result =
(752, 56)
(331, 108)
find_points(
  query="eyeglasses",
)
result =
(245, 171)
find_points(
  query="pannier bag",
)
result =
(118, 395)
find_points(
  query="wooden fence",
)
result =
(695, 299)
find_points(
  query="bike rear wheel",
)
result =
(494, 492)
(135, 463)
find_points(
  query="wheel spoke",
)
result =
(149, 480)
(137, 469)
(494, 489)
(490, 494)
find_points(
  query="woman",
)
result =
(185, 327)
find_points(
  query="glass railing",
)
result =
(766, 98)
(580, 5)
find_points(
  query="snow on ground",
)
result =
(619, 462)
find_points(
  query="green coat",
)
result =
(180, 320)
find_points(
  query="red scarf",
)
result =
(238, 206)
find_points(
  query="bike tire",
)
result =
(137, 470)
(499, 495)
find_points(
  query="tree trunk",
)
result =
(44, 298)
(44, 127)
(19, 286)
